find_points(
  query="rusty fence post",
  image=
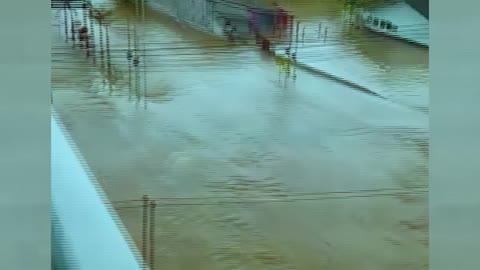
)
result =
(145, 200)
(303, 35)
(91, 36)
(153, 204)
(129, 59)
(136, 57)
(102, 53)
(144, 55)
(72, 28)
(297, 31)
(107, 45)
(65, 20)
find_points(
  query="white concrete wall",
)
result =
(92, 238)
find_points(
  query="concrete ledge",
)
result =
(330, 76)
(90, 235)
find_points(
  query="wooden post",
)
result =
(65, 18)
(291, 33)
(152, 234)
(72, 29)
(144, 62)
(102, 48)
(145, 200)
(279, 71)
(297, 39)
(294, 77)
(109, 59)
(107, 45)
(129, 60)
(84, 15)
(91, 36)
(136, 57)
(303, 35)
(100, 30)
(136, 62)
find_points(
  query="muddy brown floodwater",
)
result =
(250, 170)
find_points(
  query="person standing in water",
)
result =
(83, 36)
(228, 30)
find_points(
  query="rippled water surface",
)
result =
(252, 167)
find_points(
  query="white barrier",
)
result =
(91, 234)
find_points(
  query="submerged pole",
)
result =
(136, 57)
(303, 35)
(91, 36)
(152, 234)
(107, 41)
(144, 57)
(65, 19)
(129, 59)
(72, 29)
(102, 60)
(145, 200)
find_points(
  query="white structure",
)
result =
(87, 234)
(398, 20)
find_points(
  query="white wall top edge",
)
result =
(93, 238)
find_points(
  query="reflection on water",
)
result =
(249, 172)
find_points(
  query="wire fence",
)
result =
(276, 198)
(150, 205)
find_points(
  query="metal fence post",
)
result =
(152, 234)
(145, 200)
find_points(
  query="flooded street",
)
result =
(253, 168)
(393, 68)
